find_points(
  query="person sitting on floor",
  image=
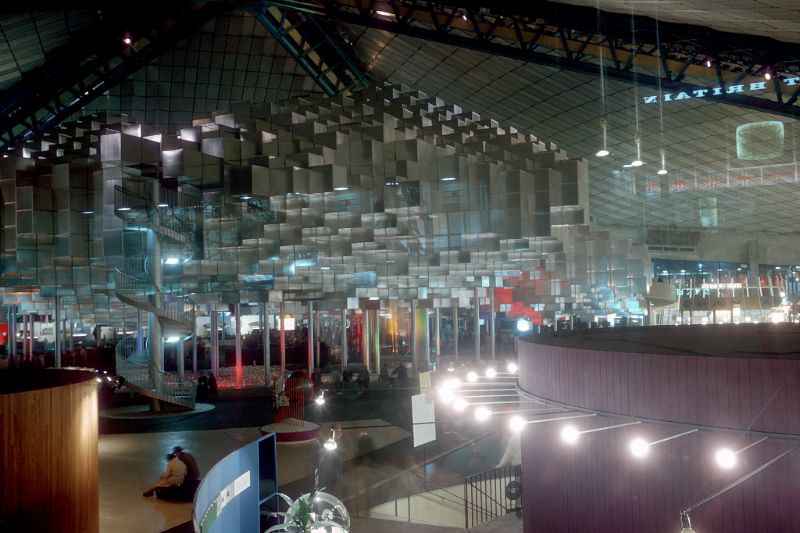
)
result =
(192, 470)
(173, 476)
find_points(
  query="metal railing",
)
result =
(134, 366)
(486, 495)
(139, 292)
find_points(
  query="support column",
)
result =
(194, 340)
(25, 337)
(317, 353)
(13, 331)
(477, 324)
(265, 344)
(139, 332)
(156, 335)
(455, 330)
(237, 310)
(492, 338)
(413, 341)
(365, 339)
(438, 332)
(283, 338)
(180, 360)
(420, 344)
(214, 333)
(376, 340)
(156, 349)
(310, 338)
(344, 338)
(30, 348)
(57, 331)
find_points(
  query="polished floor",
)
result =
(385, 470)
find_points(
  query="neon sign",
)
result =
(718, 91)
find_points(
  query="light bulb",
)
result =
(460, 405)
(639, 447)
(330, 444)
(662, 171)
(482, 413)
(490, 373)
(319, 400)
(725, 458)
(472, 377)
(512, 367)
(570, 434)
(602, 153)
(517, 423)
(637, 163)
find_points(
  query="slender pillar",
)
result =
(214, 334)
(25, 319)
(310, 338)
(265, 344)
(438, 333)
(237, 310)
(421, 339)
(156, 335)
(365, 339)
(180, 359)
(317, 352)
(413, 341)
(194, 340)
(477, 324)
(283, 337)
(492, 311)
(376, 340)
(31, 322)
(344, 337)
(156, 349)
(12, 331)
(455, 331)
(57, 331)
(139, 332)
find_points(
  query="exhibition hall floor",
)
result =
(131, 460)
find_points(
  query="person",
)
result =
(401, 373)
(173, 476)
(192, 470)
(212, 386)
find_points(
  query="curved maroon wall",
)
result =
(598, 486)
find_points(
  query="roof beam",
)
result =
(680, 58)
(313, 43)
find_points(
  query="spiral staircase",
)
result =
(170, 217)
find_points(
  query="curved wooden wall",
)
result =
(49, 457)
(597, 486)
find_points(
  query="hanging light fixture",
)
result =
(663, 170)
(637, 136)
(603, 151)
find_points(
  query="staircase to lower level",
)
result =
(134, 366)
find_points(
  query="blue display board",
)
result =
(231, 495)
